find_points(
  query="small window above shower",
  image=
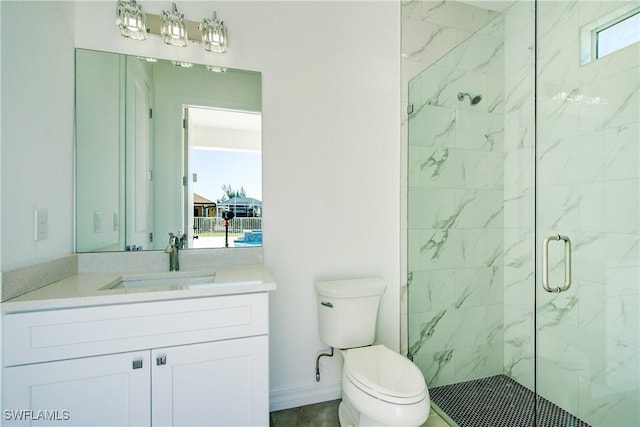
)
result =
(610, 33)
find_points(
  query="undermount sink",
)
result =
(171, 280)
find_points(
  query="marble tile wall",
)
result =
(455, 212)
(430, 29)
(588, 189)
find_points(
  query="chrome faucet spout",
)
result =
(172, 249)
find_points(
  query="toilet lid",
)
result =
(385, 374)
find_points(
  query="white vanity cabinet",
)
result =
(200, 361)
(217, 383)
(99, 390)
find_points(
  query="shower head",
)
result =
(474, 100)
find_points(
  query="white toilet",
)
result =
(379, 387)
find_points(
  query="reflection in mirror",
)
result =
(223, 160)
(162, 148)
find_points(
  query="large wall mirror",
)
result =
(166, 147)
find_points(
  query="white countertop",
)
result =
(86, 289)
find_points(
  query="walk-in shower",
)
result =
(538, 181)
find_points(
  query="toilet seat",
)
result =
(385, 375)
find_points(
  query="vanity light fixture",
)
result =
(131, 20)
(214, 34)
(173, 27)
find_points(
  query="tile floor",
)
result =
(325, 414)
(504, 403)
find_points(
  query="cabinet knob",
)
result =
(137, 364)
(161, 360)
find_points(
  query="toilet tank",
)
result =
(348, 310)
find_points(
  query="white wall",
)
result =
(331, 143)
(37, 129)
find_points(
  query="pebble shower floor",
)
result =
(498, 401)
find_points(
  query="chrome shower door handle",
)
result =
(567, 264)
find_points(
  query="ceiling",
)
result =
(226, 119)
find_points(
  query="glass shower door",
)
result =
(470, 224)
(587, 216)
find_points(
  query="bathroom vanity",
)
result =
(87, 351)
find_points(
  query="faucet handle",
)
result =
(172, 239)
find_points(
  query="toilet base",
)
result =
(346, 420)
(349, 416)
(362, 409)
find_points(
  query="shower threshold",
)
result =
(498, 401)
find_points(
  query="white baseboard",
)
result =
(293, 397)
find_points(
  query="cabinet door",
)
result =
(111, 390)
(224, 383)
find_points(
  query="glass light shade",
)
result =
(173, 28)
(216, 69)
(214, 35)
(131, 20)
(182, 64)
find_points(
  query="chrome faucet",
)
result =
(176, 242)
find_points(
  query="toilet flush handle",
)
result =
(326, 304)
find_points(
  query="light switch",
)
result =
(40, 224)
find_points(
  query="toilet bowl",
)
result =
(379, 386)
